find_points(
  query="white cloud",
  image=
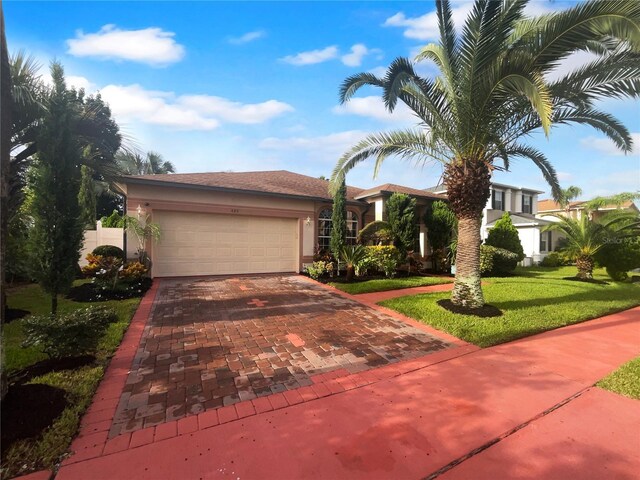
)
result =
(247, 37)
(569, 64)
(187, 112)
(312, 57)
(80, 82)
(564, 176)
(358, 52)
(373, 107)
(425, 27)
(152, 45)
(235, 112)
(606, 147)
(379, 71)
(327, 147)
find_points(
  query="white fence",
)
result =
(100, 236)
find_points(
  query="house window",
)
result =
(497, 200)
(324, 229)
(526, 204)
(352, 228)
(545, 242)
(325, 225)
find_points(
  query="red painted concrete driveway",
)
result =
(527, 409)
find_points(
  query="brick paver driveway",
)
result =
(216, 341)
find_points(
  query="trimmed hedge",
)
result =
(108, 251)
(496, 261)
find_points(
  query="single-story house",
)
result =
(225, 223)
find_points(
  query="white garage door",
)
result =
(217, 244)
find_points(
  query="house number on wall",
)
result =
(235, 210)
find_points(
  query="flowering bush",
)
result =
(133, 271)
(380, 258)
(103, 269)
(317, 269)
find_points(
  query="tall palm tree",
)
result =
(491, 92)
(132, 163)
(586, 237)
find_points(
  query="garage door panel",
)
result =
(215, 244)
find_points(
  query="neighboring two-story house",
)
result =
(522, 205)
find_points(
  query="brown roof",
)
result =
(275, 182)
(551, 205)
(391, 188)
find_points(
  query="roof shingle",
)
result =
(279, 182)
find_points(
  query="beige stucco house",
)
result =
(248, 222)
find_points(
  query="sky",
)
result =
(245, 86)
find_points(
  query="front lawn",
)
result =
(69, 385)
(384, 284)
(536, 300)
(625, 380)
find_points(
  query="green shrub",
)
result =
(555, 259)
(380, 258)
(319, 268)
(376, 233)
(115, 220)
(108, 251)
(72, 334)
(620, 257)
(505, 235)
(496, 261)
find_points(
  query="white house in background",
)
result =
(522, 205)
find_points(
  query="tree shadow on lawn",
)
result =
(12, 314)
(50, 365)
(589, 294)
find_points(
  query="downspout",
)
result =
(124, 233)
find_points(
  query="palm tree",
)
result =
(568, 194)
(152, 164)
(586, 237)
(491, 92)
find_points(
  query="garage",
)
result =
(221, 244)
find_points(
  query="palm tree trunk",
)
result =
(585, 267)
(467, 291)
(468, 184)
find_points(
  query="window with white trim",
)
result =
(325, 225)
(545, 242)
(527, 201)
(497, 200)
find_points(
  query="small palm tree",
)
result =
(352, 255)
(585, 237)
(568, 194)
(491, 92)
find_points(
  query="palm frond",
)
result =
(353, 83)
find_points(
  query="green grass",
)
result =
(625, 380)
(79, 384)
(384, 284)
(536, 300)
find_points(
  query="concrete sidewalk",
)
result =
(520, 410)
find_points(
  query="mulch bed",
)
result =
(27, 410)
(487, 311)
(88, 292)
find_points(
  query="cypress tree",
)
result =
(56, 237)
(339, 220)
(401, 215)
(505, 235)
(87, 199)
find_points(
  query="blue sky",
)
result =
(216, 86)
